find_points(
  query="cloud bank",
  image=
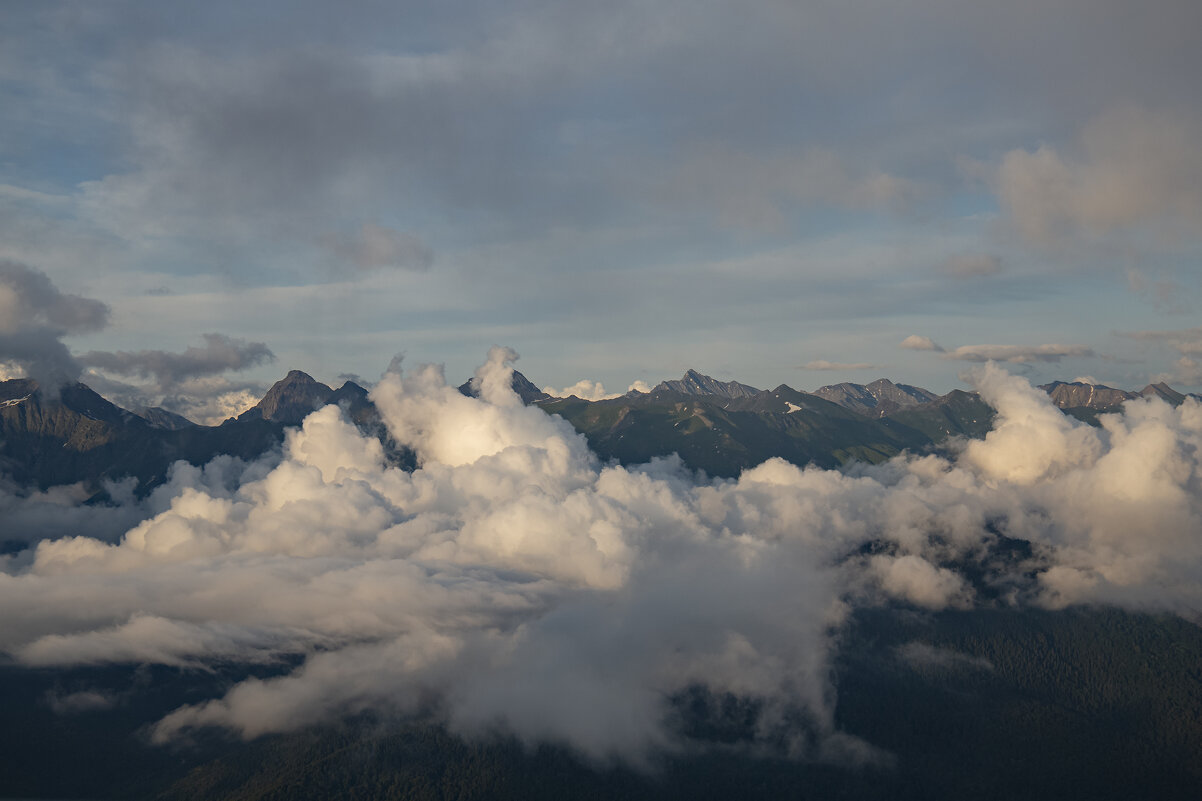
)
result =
(517, 584)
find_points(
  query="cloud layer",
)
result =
(520, 585)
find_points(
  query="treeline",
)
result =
(982, 704)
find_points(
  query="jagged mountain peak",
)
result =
(695, 383)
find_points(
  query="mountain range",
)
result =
(716, 426)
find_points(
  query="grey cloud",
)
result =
(525, 114)
(31, 300)
(219, 354)
(32, 515)
(34, 317)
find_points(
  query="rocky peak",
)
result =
(524, 387)
(695, 383)
(1078, 394)
(1164, 392)
(902, 394)
(290, 399)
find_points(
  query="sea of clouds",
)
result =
(516, 583)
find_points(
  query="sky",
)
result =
(196, 198)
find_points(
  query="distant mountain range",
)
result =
(725, 427)
(716, 426)
(81, 436)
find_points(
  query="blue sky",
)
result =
(618, 191)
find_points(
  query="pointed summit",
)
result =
(290, 399)
(524, 388)
(695, 383)
(1164, 392)
(902, 394)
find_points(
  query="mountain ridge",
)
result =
(695, 383)
(719, 427)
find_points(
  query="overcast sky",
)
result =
(778, 192)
